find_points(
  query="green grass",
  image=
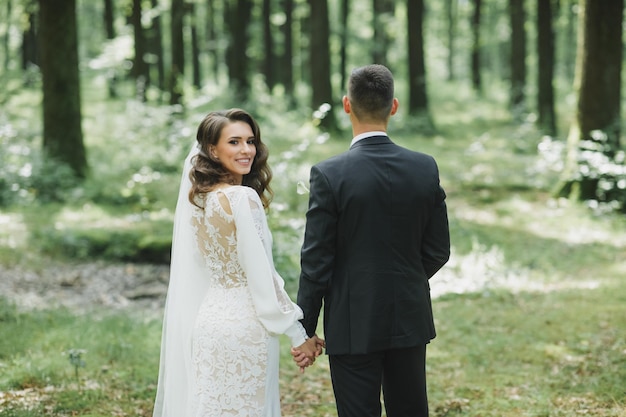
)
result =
(535, 325)
(118, 358)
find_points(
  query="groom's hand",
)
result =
(305, 354)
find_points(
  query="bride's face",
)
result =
(236, 149)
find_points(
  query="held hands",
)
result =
(305, 354)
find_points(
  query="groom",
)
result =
(376, 231)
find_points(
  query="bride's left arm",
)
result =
(274, 308)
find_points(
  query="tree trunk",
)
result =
(212, 38)
(62, 133)
(286, 69)
(476, 47)
(239, 20)
(268, 46)
(546, 119)
(383, 14)
(451, 12)
(30, 49)
(155, 36)
(594, 138)
(140, 67)
(319, 60)
(518, 57)
(177, 69)
(418, 99)
(190, 10)
(6, 39)
(109, 19)
(343, 70)
(569, 53)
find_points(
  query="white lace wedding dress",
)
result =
(230, 363)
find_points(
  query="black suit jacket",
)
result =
(376, 231)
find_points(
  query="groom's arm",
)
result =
(436, 238)
(318, 249)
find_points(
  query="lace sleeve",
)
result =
(274, 307)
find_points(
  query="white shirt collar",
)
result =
(367, 135)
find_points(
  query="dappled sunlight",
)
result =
(557, 219)
(96, 217)
(485, 269)
(12, 230)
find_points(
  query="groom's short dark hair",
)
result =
(370, 91)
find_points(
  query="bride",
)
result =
(226, 303)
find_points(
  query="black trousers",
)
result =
(357, 382)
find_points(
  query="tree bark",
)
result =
(594, 137)
(109, 19)
(177, 68)
(418, 98)
(213, 39)
(238, 15)
(268, 46)
(343, 55)
(518, 57)
(155, 36)
(190, 10)
(30, 44)
(140, 67)
(286, 69)
(62, 132)
(546, 119)
(476, 47)
(6, 38)
(451, 13)
(383, 13)
(320, 63)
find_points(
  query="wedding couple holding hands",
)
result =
(376, 232)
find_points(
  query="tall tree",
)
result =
(418, 98)
(594, 137)
(319, 61)
(451, 13)
(7, 36)
(212, 37)
(546, 119)
(476, 46)
(177, 68)
(518, 56)
(155, 44)
(30, 46)
(383, 13)
(343, 55)
(195, 45)
(62, 132)
(140, 67)
(286, 68)
(268, 46)
(109, 19)
(238, 17)
(568, 56)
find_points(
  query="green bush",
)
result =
(143, 243)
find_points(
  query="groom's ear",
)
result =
(394, 106)
(346, 105)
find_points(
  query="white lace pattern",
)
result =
(230, 342)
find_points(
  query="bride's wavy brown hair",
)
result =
(206, 171)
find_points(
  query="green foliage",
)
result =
(605, 168)
(147, 241)
(530, 325)
(27, 176)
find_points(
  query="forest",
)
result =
(519, 101)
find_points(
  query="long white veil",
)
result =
(187, 288)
